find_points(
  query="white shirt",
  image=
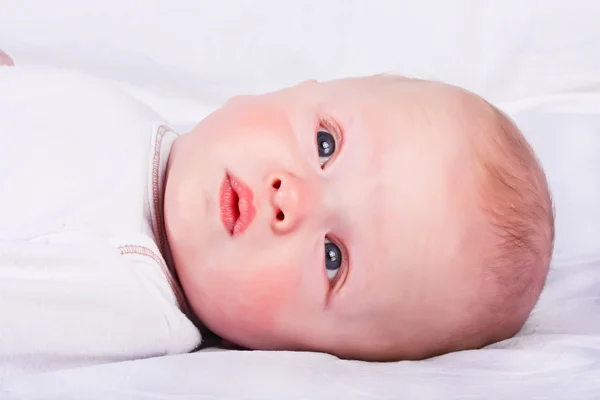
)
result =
(83, 276)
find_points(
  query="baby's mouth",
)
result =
(235, 200)
(228, 201)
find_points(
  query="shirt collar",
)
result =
(162, 142)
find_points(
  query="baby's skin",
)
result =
(361, 217)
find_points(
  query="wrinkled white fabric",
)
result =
(82, 280)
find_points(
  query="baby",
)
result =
(378, 218)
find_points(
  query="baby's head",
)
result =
(374, 218)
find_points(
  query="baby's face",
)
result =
(327, 216)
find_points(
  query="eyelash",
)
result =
(343, 271)
(333, 128)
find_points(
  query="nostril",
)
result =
(277, 183)
(280, 216)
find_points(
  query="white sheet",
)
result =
(184, 57)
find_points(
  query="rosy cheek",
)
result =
(265, 294)
(247, 305)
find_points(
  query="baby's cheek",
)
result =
(249, 300)
(265, 293)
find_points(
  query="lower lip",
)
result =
(236, 218)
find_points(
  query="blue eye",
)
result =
(325, 145)
(333, 259)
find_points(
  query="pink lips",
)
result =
(237, 210)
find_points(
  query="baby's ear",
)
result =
(5, 59)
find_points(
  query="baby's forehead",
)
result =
(410, 137)
(402, 91)
(359, 88)
(415, 168)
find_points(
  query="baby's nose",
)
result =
(291, 200)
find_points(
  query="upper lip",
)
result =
(236, 204)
